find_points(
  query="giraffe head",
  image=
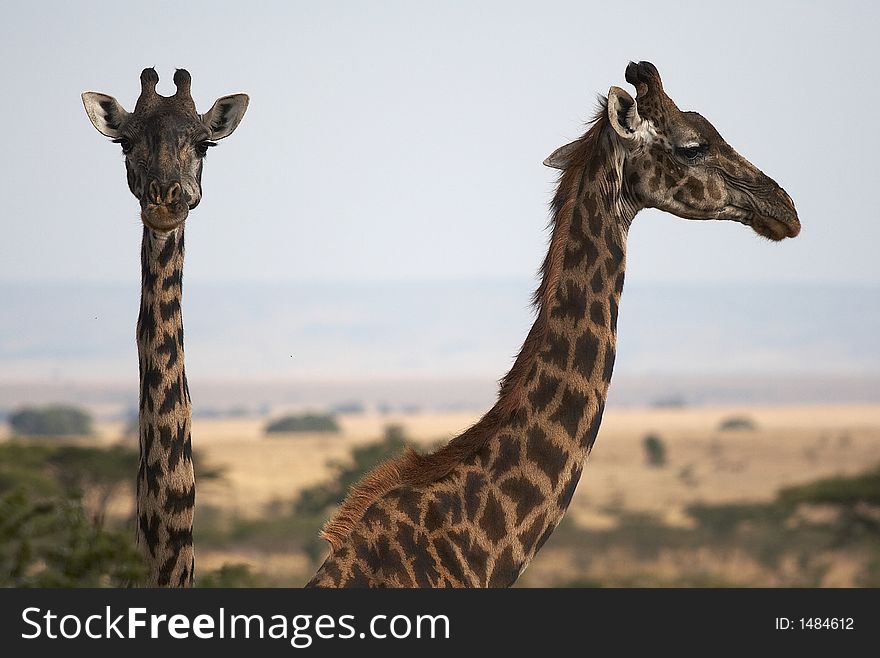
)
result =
(676, 161)
(164, 141)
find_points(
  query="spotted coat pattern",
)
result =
(165, 482)
(476, 511)
(164, 141)
(481, 524)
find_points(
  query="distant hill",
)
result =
(468, 330)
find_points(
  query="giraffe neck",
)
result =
(537, 457)
(475, 512)
(165, 483)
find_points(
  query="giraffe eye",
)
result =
(691, 154)
(124, 143)
(202, 148)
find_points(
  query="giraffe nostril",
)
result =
(154, 192)
(174, 193)
(164, 193)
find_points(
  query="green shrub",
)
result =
(303, 423)
(726, 518)
(655, 451)
(52, 420)
(51, 543)
(841, 490)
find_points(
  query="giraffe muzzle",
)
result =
(775, 228)
(777, 219)
(164, 206)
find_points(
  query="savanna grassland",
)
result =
(733, 496)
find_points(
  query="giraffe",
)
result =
(164, 141)
(475, 512)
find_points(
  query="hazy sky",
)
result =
(404, 140)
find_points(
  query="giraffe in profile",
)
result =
(164, 141)
(475, 512)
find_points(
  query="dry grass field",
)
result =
(705, 465)
(790, 445)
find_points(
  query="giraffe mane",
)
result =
(414, 469)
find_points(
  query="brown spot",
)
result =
(586, 349)
(612, 307)
(415, 547)
(570, 411)
(549, 457)
(609, 364)
(589, 436)
(408, 502)
(556, 351)
(508, 456)
(525, 494)
(377, 518)
(571, 302)
(544, 392)
(392, 562)
(565, 495)
(168, 250)
(597, 313)
(492, 521)
(473, 485)
(575, 255)
(505, 570)
(528, 537)
(544, 537)
(478, 560)
(448, 559)
(357, 578)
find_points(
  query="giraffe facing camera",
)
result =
(164, 141)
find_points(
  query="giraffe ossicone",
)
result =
(164, 141)
(474, 513)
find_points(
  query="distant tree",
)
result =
(303, 423)
(655, 451)
(847, 490)
(738, 423)
(52, 420)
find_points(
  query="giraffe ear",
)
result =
(225, 115)
(105, 113)
(561, 157)
(623, 113)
